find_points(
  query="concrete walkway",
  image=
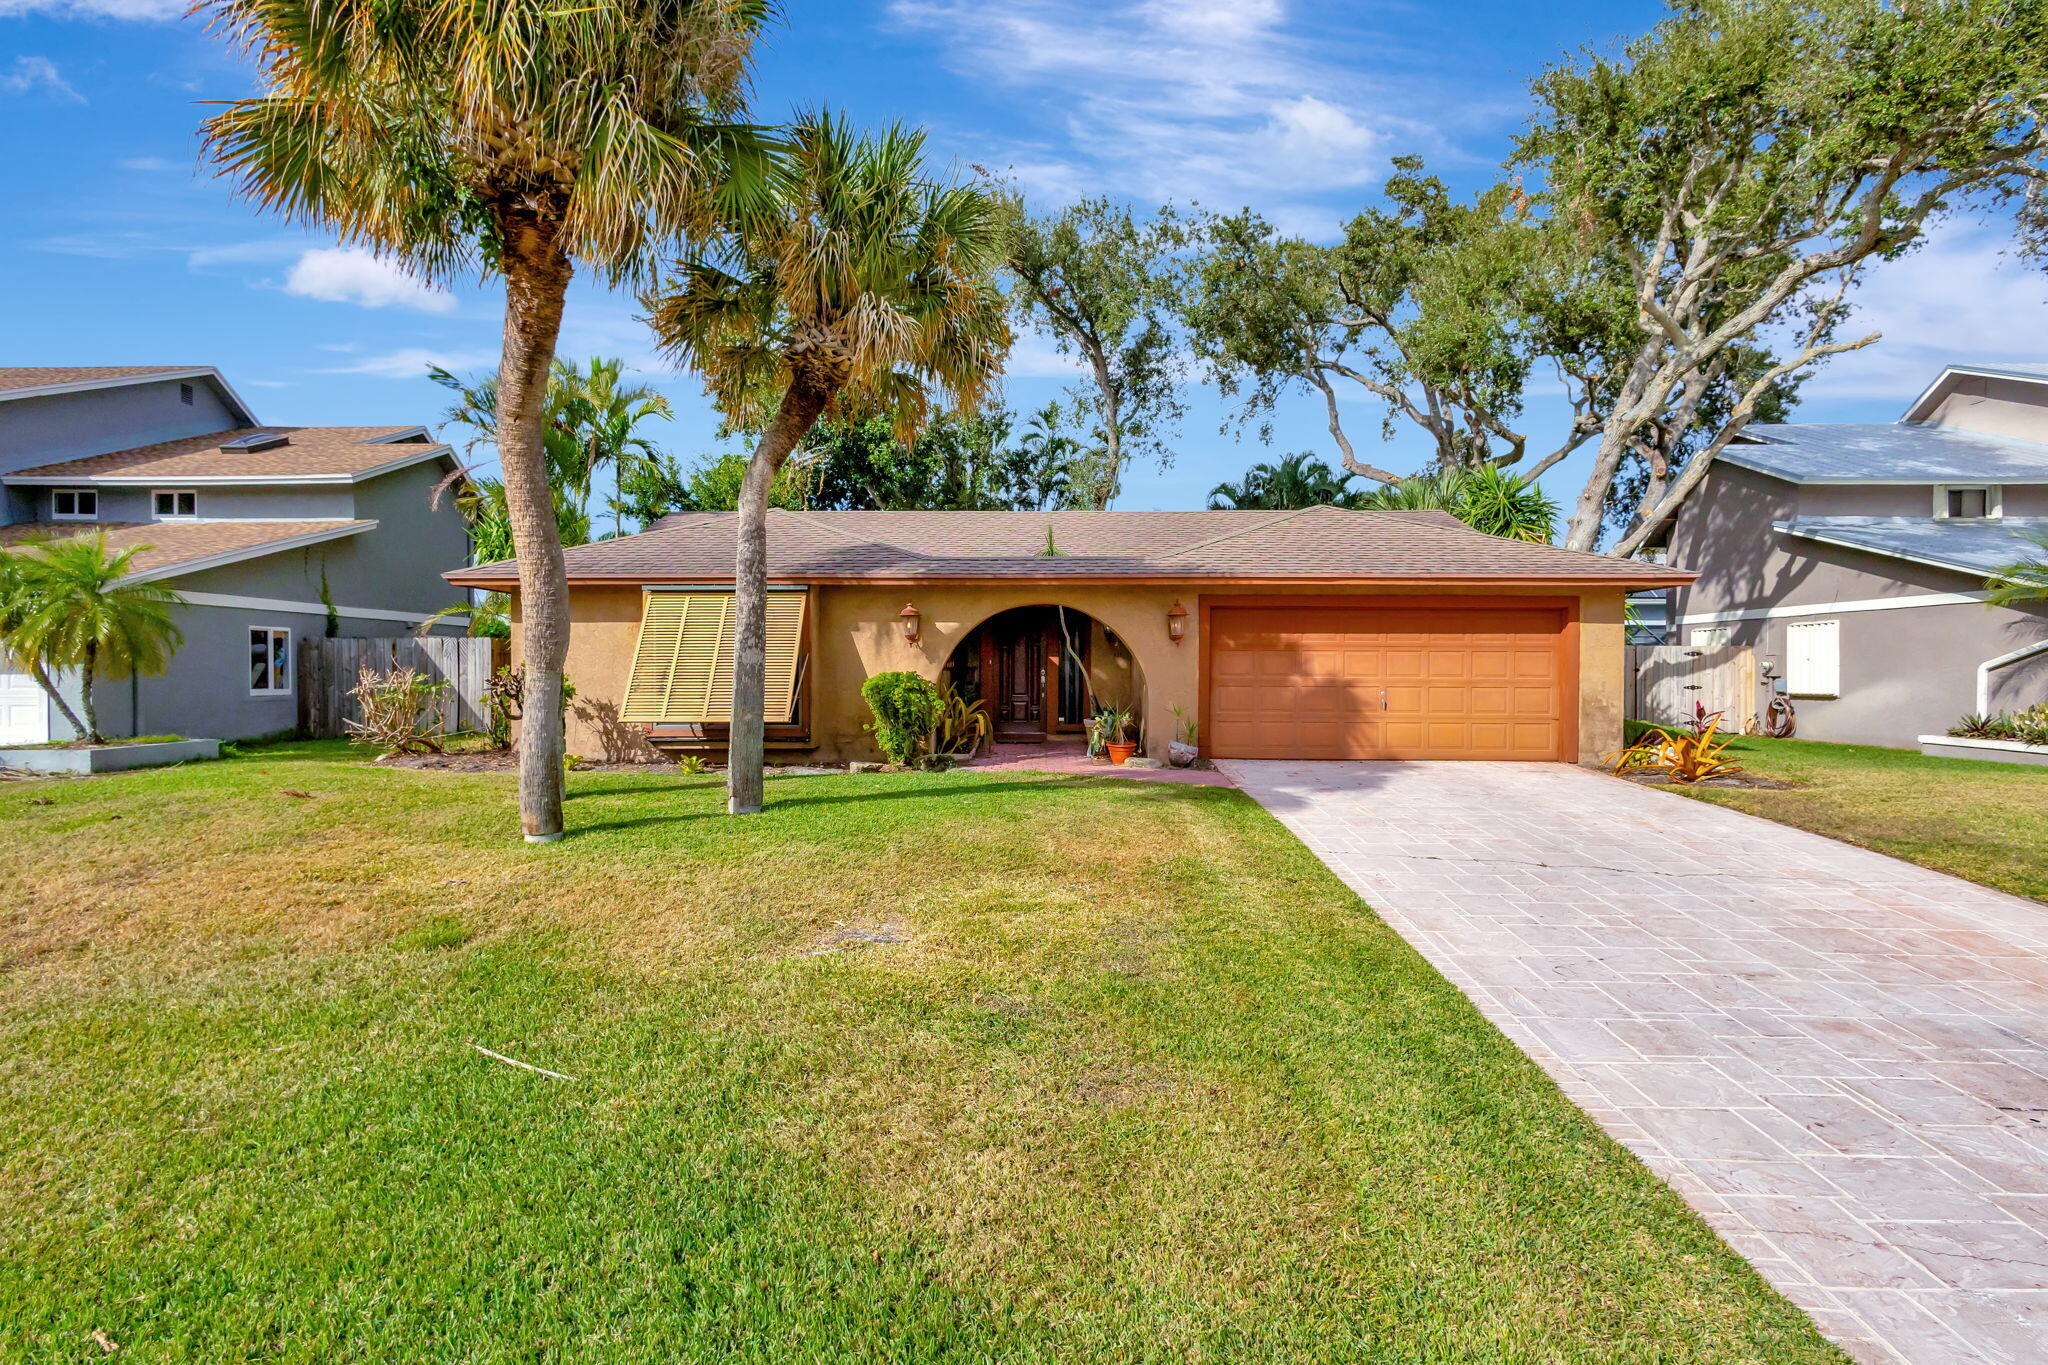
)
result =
(1839, 1059)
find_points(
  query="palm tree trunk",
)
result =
(536, 281)
(49, 686)
(746, 745)
(85, 674)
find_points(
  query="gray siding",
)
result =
(304, 502)
(418, 538)
(69, 426)
(1905, 671)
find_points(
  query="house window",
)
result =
(270, 661)
(682, 664)
(1966, 502)
(173, 504)
(1709, 637)
(1813, 658)
(75, 504)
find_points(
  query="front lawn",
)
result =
(1984, 821)
(909, 1068)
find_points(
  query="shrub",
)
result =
(2029, 725)
(1686, 755)
(401, 712)
(906, 708)
(963, 725)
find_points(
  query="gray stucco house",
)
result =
(258, 527)
(1853, 558)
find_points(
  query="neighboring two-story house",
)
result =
(1853, 558)
(271, 534)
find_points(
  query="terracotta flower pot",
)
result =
(1121, 751)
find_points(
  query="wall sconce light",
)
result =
(909, 620)
(1176, 622)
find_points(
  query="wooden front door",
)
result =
(1019, 677)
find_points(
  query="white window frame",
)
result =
(74, 494)
(270, 634)
(174, 494)
(1813, 658)
(1994, 502)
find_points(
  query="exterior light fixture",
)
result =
(1176, 622)
(909, 620)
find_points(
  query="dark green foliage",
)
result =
(1300, 480)
(906, 708)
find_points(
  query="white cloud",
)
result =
(1226, 103)
(1959, 298)
(97, 9)
(413, 362)
(1036, 357)
(146, 163)
(352, 275)
(30, 74)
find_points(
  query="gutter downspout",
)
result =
(1990, 666)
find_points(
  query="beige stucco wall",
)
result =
(854, 635)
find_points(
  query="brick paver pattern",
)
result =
(1839, 1059)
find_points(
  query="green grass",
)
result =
(1140, 1082)
(1984, 821)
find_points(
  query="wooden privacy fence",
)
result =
(330, 669)
(1665, 681)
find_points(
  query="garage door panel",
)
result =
(1432, 681)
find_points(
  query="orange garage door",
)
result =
(1434, 680)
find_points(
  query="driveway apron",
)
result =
(1839, 1059)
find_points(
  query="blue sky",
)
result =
(121, 250)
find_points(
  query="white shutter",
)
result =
(1710, 637)
(1813, 658)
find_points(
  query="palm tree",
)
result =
(604, 415)
(869, 291)
(1484, 497)
(1299, 480)
(523, 138)
(1039, 473)
(13, 609)
(76, 611)
(2023, 580)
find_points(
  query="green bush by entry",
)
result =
(906, 709)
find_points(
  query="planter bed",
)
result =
(108, 758)
(1984, 750)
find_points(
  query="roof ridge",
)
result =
(1242, 531)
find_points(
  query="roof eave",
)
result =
(1653, 577)
(425, 452)
(1821, 538)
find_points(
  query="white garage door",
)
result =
(23, 716)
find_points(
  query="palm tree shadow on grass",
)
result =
(1052, 782)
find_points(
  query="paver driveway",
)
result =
(1840, 1059)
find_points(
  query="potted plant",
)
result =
(1110, 725)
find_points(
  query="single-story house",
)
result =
(1315, 634)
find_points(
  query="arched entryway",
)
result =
(1041, 671)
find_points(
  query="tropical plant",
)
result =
(1108, 726)
(526, 139)
(1485, 498)
(605, 415)
(505, 702)
(869, 289)
(485, 618)
(14, 604)
(2029, 725)
(907, 706)
(400, 712)
(963, 726)
(2023, 580)
(73, 607)
(1693, 754)
(1299, 480)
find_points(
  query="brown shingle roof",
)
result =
(175, 543)
(50, 376)
(309, 452)
(1317, 543)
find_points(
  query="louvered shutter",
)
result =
(1813, 658)
(682, 664)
